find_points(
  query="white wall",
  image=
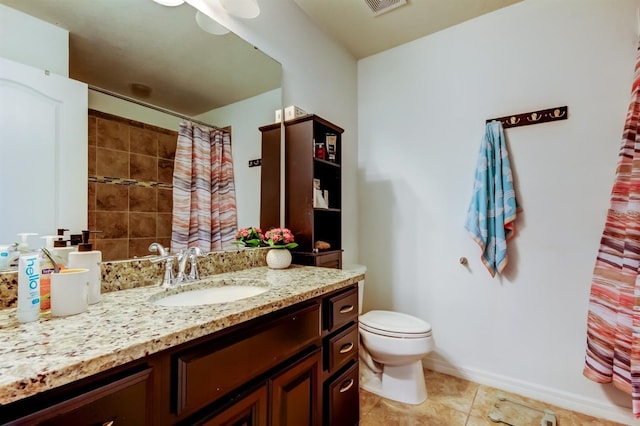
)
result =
(31, 41)
(318, 76)
(421, 112)
(245, 117)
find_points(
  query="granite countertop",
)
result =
(125, 326)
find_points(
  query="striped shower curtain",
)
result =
(613, 324)
(204, 197)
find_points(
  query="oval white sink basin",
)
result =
(208, 296)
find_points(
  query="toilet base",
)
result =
(402, 383)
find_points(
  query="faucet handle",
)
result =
(193, 253)
(157, 248)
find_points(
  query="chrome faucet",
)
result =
(185, 255)
(194, 252)
(168, 280)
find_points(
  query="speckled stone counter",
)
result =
(124, 274)
(126, 326)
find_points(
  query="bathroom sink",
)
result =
(218, 292)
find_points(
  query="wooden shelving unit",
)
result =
(310, 223)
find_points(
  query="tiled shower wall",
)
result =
(130, 185)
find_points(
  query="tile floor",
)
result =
(452, 401)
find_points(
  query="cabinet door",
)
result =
(295, 393)
(249, 411)
(342, 398)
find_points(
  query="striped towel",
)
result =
(492, 211)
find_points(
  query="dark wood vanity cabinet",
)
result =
(296, 366)
(341, 397)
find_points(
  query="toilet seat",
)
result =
(395, 324)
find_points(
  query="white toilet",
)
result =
(392, 345)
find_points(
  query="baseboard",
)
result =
(569, 401)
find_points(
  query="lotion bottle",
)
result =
(28, 287)
(61, 248)
(86, 258)
(20, 248)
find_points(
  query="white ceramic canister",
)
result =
(89, 260)
(69, 292)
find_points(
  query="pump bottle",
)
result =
(89, 259)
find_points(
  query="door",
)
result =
(295, 393)
(43, 152)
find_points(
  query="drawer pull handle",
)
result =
(346, 385)
(346, 309)
(346, 348)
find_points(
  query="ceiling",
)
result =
(116, 43)
(352, 23)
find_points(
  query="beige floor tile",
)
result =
(452, 401)
(367, 401)
(450, 391)
(389, 413)
(570, 418)
(487, 404)
(478, 421)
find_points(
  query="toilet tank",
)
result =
(360, 269)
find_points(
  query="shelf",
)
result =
(330, 163)
(320, 209)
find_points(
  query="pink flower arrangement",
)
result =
(251, 237)
(279, 238)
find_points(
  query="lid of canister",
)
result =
(394, 322)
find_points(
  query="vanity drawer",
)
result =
(342, 398)
(205, 373)
(340, 309)
(341, 348)
(122, 401)
(330, 260)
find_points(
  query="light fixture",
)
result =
(171, 3)
(210, 25)
(247, 9)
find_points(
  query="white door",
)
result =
(43, 152)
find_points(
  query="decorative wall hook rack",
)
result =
(535, 117)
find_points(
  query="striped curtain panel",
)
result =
(613, 324)
(204, 196)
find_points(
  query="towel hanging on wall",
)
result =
(492, 211)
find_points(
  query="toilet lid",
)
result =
(395, 324)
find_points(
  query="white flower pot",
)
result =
(278, 258)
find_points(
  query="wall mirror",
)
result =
(160, 56)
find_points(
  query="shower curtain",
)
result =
(204, 197)
(613, 324)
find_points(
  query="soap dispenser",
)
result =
(87, 258)
(20, 248)
(61, 248)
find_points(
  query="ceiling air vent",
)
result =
(378, 7)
